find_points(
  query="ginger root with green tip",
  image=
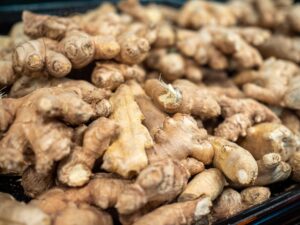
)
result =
(245, 170)
(124, 157)
(267, 138)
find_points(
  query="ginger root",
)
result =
(295, 164)
(267, 138)
(190, 212)
(14, 212)
(197, 187)
(245, 170)
(125, 157)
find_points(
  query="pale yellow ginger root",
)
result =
(184, 97)
(282, 47)
(295, 164)
(54, 27)
(40, 58)
(196, 14)
(270, 83)
(34, 183)
(14, 212)
(179, 138)
(232, 202)
(267, 138)
(271, 169)
(231, 43)
(185, 213)
(244, 171)
(253, 35)
(166, 36)
(255, 195)
(193, 165)
(199, 46)
(239, 115)
(198, 186)
(33, 119)
(160, 182)
(17, 35)
(76, 169)
(8, 76)
(124, 157)
(110, 75)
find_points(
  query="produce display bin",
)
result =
(282, 208)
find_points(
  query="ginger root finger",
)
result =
(197, 187)
(295, 164)
(267, 138)
(272, 169)
(189, 212)
(76, 169)
(14, 212)
(192, 142)
(255, 195)
(8, 76)
(159, 182)
(245, 170)
(123, 157)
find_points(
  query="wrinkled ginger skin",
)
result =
(159, 182)
(255, 195)
(177, 213)
(179, 138)
(244, 171)
(272, 169)
(14, 212)
(295, 164)
(197, 187)
(124, 157)
(267, 138)
(77, 168)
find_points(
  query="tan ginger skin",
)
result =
(110, 75)
(271, 169)
(232, 202)
(160, 182)
(76, 169)
(123, 157)
(295, 164)
(267, 138)
(182, 96)
(239, 115)
(197, 187)
(193, 142)
(189, 212)
(245, 170)
(32, 127)
(8, 76)
(270, 83)
(14, 212)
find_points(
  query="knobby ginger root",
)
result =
(295, 164)
(232, 202)
(124, 157)
(240, 114)
(8, 76)
(14, 212)
(184, 97)
(270, 83)
(178, 213)
(267, 138)
(197, 187)
(76, 169)
(179, 138)
(111, 75)
(271, 169)
(40, 58)
(160, 182)
(245, 168)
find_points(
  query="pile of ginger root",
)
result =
(145, 114)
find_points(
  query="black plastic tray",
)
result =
(282, 209)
